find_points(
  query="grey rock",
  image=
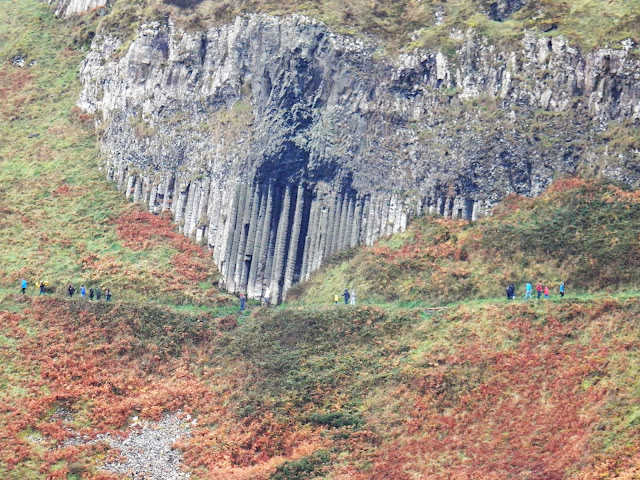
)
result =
(279, 143)
(147, 450)
(18, 61)
(66, 8)
(501, 9)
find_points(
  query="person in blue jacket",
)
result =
(83, 291)
(346, 296)
(23, 285)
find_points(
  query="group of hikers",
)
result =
(83, 292)
(349, 298)
(528, 291)
(44, 289)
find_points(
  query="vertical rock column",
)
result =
(292, 256)
(269, 236)
(280, 249)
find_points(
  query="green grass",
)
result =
(403, 24)
(58, 213)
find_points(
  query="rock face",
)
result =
(501, 9)
(65, 8)
(279, 143)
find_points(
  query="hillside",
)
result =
(60, 222)
(583, 233)
(168, 379)
(407, 24)
(488, 390)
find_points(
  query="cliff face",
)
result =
(278, 142)
(65, 8)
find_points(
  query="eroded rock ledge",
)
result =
(66, 8)
(278, 143)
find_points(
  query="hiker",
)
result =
(83, 291)
(353, 297)
(511, 292)
(91, 294)
(528, 288)
(267, 295)
(335, 299)
(71, 290)
(108, 295)
(561, 288)
(241, 302)
(546, 292)
(346, 296)
(539, 289)
(42, 292)
(98, 293)
(23, 285)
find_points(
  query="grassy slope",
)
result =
(59, 220)
(531, 390)
(583, 233)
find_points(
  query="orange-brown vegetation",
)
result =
(533, 392)
(106, 363)
(142, 230)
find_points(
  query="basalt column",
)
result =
(266, 227)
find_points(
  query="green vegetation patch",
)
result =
(402, 24)
(60, 221)
(303, 469)
(582, 233)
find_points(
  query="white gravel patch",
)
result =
(147, 451)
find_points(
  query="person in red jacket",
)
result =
(539, 289)
(546, 292)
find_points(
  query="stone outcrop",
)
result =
(278, 143)
(65, 8)
(501, 9)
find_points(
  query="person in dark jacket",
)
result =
(346, 296)
(509, 291)
(91, 294)
(98, 293)
(42, 292)
(71, 290)
(108, 295)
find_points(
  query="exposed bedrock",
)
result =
(501, 9)
(278, 143)
(65, 8)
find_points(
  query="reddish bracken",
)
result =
(77, 361)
